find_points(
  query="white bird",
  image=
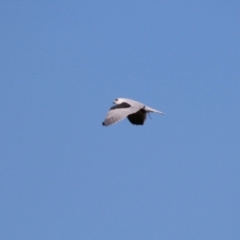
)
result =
(133, 110)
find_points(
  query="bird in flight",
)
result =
(133, 110)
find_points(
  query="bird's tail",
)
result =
(148, 109)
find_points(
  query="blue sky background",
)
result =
(65, 176)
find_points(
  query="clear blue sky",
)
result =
(65, 176)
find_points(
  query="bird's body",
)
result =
(133, 110)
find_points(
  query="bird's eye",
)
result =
(116, 99)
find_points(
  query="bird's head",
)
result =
(118, 101)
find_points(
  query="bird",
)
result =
(133, 110)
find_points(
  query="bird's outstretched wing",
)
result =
(137, 118)
(118, 113)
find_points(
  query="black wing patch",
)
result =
(122, 105)
(137, 118)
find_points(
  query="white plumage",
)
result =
(133, 110)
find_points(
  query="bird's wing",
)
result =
(118, 113)
(137, 118)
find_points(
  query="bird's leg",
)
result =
(149, 115)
